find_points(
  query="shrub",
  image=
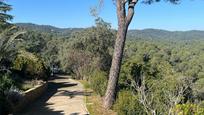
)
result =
(30, 66)
(87, 49)
(5, 82)
(127, 104)
(13, 96)
(98, 82)
(188, 109)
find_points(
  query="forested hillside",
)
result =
(48, 29)
(161, 71)
(164, 34)
(132, 34)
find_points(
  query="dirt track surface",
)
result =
(64, 97)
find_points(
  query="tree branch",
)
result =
(121, 12)
(131, 5)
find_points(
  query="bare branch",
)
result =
(145, 98)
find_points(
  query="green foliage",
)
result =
(47, 29)
(96, 40)
(137, 66)
(88, 50)
(30, 66)
(198, 88)
(4, 17)
(33, 41)
(5, 82)
(98, 82)
(127, 104)
(26, 63)
(50, 51)
(163, 59)
(188, 109)
(8, 38)
(44, 45)
(163, 72)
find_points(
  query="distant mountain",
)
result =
(132, 34)
(164, 34)
(47, 28)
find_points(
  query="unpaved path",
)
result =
(63, 97)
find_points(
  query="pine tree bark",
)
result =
(123, 24)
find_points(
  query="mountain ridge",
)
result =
(41, 25)
(148, 33)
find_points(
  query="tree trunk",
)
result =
(123, 23)
(115, 68)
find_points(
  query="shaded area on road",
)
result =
(42, 107)
(71, 94)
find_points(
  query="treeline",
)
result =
(132, 34)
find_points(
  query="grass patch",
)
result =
(94, 102)
(85, 84)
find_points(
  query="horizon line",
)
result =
(148, 28)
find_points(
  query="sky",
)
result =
(188, 15)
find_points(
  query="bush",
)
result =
(30, 66)
(127, 104)
(188, 109)
(98, 82)
(13, 97)
(5, 82)
(87, 49)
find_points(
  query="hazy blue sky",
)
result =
(75, 13)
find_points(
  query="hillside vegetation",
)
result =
(162, 71)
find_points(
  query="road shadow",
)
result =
(77, 114)
(40, 107)
(72, 94)
(58, 77)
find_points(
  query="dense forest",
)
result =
(162, 71)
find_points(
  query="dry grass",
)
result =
(94, 102)
(94, 105)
